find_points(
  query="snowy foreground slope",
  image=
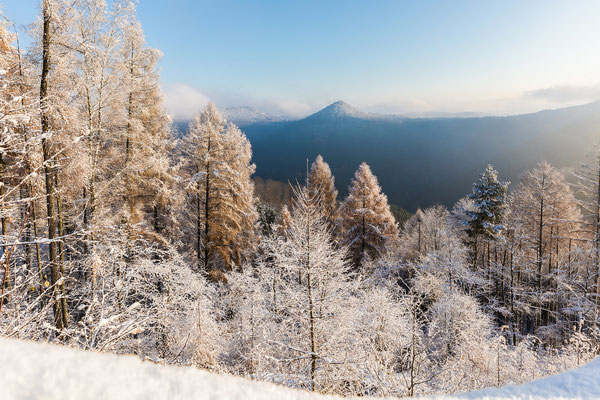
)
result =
(42, 371)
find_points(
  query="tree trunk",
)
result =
(129, 200)
(38, 252)
(540, 255)
(311, 316)
(90, 207)
(199, 228)
(207, 207)
(597, 240)
(49, 170)
(61, 249)
(4, 232)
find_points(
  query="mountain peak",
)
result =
(339, 109)
(340, 103)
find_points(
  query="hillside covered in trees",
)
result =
(422, 161)
(119, 235)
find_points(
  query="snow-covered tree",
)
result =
(285, 219)
(428, 231)
(484, 220)
(156, 308)
(322, 183)
(463, 340)
(386, 341)
(267, 217)
(57, 124)
(96, 39)
(489, 199)
(144, 140)
(250, 326)
(588, 188)
(547, 216)
(218, 163)
(489, 202)
(18, 116)
(313, 289)
(413, 228)
(369, 227)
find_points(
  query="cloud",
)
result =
(398, 106)
(183, 101)
(292, 108)
(566, 93)
(285, 108)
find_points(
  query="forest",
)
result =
(119, 235)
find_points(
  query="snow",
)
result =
(246, 115)
(580, 383)
(43, 371)
(339, 110)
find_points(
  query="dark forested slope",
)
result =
(423, 161)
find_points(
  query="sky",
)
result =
(292, 58)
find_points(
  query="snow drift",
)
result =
(42, 371)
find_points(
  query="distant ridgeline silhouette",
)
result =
(420, 161)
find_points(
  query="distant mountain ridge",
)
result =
(424, 161)
(419, 161)
(245, 115)
(240, 115)
(439, 114)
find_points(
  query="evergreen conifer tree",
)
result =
(489, 197)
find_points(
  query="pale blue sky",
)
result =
(396, 56)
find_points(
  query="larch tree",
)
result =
(13, 113)
(24, 273)
(413, 228)
(314, 286)
(427, 232)
(16, 113)
(96, 41)
(383, 328)
(461, 335)
(284, 220)
(588, 188)
(145, 128)
(202, 150)
(547, 214)
(54, 97)
(322, 183)
(218, 164)
(239, 218)
(369, 227)
(250, 327)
